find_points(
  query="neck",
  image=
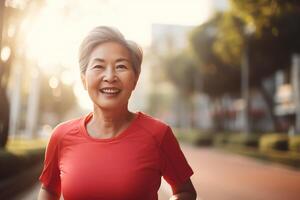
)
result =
(110, 122)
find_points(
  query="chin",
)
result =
(109, 105)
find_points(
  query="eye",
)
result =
(98, 67)
(121, 67)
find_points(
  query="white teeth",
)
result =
(110, 91)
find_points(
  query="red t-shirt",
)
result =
(128, 166)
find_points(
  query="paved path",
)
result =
(224, 176)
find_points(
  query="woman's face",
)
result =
(109, 77)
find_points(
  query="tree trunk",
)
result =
(4, 105)
(4, 118)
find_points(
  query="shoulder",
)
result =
(153, 126)
(151, 123)
(59, 133)
(66, 127)
(70, 124)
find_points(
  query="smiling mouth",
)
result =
(110, 91)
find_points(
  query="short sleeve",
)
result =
(50, 176)
(175, 168)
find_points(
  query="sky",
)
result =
(54, 33)
(67, 21)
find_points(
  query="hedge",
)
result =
(275, 147)
(274, 141)
(294, 143)
(20, 165)
(195, 137)
(243, 139)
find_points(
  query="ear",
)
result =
(82, 76)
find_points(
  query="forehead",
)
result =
(110, 51)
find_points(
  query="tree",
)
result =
(217, 75)
(5, 14)
(11, 16)
(219, 44)
(275, 38)
(182, 71)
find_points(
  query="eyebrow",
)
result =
(122, 59)
(118, 60)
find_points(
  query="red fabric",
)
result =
(128, 166)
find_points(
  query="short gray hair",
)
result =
(102, 34)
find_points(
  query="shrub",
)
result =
(194, 136)
(242, 139)
(294, 143)
(274, 141)
(20, 155)
(201, 139)
(220, 139)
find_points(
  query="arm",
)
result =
(185, 191)
(44, 194)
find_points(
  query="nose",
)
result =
(109, 75)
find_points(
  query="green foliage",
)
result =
(21, 146)
(229, 40)
(201, 139)
(182, 71)
(217, 77)
(219, 44)
(270, 145)
(195, 137)
(294, 143)
(288, 158)
(236, 140)
(160, 101)
(220, 139)
(275, 37)
(19, 155)
(259, 13)
(241, 139)
(274, 141)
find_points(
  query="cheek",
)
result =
(131, 82)
(91, 79)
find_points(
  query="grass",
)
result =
(19, 155)
(22, 145)
(20, 165)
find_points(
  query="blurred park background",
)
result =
(225, 74)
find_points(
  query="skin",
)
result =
(44, 194)
(186, 191)
(110, 67)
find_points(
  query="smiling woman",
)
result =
(109, 77)
(113, 153)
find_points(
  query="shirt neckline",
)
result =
(88, 117)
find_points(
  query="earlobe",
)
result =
(82, 76)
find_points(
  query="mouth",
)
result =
(110, 90)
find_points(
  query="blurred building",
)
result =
(281, 113)
(167, 38)
(286, 97)
(170, 39)
(169, 105)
